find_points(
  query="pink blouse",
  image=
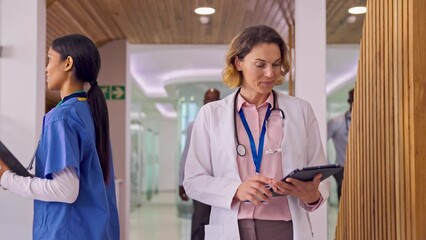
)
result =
(271, 164)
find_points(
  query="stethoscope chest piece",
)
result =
(241, 150)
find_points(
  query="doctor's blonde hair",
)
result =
(243, 43)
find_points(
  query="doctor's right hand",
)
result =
(254, 190)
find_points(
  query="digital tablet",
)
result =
(308, 173)
(10, 160)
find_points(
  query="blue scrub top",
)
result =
(68, 140)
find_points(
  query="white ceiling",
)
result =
(154, 67)
(342, 66)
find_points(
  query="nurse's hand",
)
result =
(254, 190)
(3, 168)
(307, 191)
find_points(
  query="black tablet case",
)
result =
(308, 173)
(10, 160)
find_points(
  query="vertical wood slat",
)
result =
(394, 116)
(384, 187)
(384, 122)
(362, 146)
(388, 123)
(406, 119)
(364, 113)
(379, 107)
(372, 116)
(418, 121)
(398, 117)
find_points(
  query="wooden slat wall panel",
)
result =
(384, 190)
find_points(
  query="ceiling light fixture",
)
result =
(204, 10)
(204, 19)
(351, 19)
(357, 10)
(202, 7)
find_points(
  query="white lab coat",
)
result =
(211, 170)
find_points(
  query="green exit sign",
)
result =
(118, 92)
(115, 92)
(106, 91)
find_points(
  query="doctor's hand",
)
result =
(3, 168)
(254, 190)
(306, 191)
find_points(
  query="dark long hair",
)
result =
(87, 63)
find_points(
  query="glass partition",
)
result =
(136, 167)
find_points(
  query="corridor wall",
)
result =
(384, 184)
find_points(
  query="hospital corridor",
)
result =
(128, 109)
(153, 81)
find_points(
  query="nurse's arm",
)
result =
(64, 186)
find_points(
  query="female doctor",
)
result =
(244, 144)
(73, 187)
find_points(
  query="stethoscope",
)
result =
(240, 148)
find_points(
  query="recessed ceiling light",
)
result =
(204, 10)
(351, 19)
(357, 10)
(204, 19)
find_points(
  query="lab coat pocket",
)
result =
(214, 232)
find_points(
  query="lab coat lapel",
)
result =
(228, 121)
(294, 137)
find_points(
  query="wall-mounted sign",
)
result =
(115, 92)
(118, 92)
(105, 90)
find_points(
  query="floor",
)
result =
(158, 218)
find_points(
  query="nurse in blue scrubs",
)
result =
(73, 187)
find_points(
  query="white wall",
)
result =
(310, 77)
(167, 154)
(22, 82)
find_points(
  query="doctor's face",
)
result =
(55, 70)
(261, 68)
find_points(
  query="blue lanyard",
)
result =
(257, 156)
